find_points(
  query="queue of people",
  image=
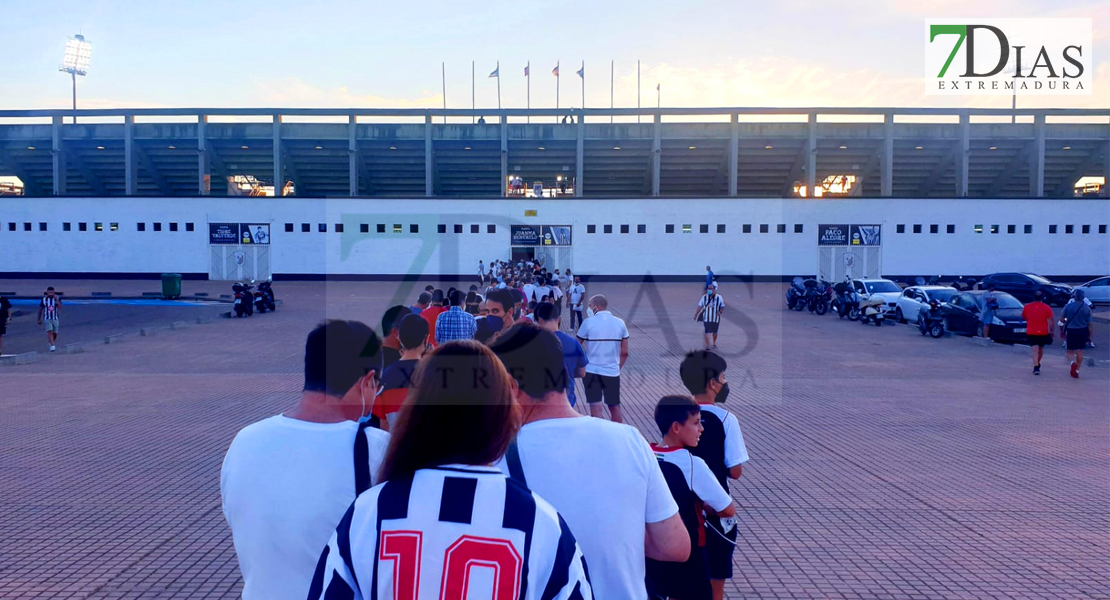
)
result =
(462, 466)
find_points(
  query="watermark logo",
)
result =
(1047, 57)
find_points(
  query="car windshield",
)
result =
(942, 295)
(1038, 279)
(879, 287)
(1004, 300)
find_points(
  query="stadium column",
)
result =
(887, 181)
(58, 157)
(579, 157)
(733, 154)
(1036, 170)
(129, 174)
(352, 154)
(204, 176)
(963, 155)
(656, 154)
(429, 164)
(811, 157)
(504, 155)
(279, 172)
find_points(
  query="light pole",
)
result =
(75, 61)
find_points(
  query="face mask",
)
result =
(589, 312)
(722, 395)
(495, 323)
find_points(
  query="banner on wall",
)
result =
(254, 234)
(223, 233)
(540, 235)
(867, 235)
(555, 235)
(832, 235)
(849, 235)
(525, 235)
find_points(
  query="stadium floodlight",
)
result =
(75, 61)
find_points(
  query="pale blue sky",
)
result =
(346, 53)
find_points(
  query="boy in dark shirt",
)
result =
(397, 377)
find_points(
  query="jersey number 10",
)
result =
(403, 549)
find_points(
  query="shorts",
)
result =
(681, 581)
(3, 328)
(711, 327)
(51, 325)
(599, 386)
(718, 552)
(1040, 340)
(1078, 338)
(986, 317)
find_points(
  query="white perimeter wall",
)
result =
(656, 252)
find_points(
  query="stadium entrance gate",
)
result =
(239, 251)
(853, 251)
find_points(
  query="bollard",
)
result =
(114, 338)
(74, 348)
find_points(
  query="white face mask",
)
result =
(590, 312)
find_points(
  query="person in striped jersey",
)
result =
(445, 524)
(709, 312)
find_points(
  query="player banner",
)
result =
(867, 235)
(254, 234)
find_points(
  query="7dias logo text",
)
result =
(1010, 56)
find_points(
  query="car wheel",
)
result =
(898, 316)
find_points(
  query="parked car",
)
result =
(882, 288)
(1097, 290)
(917, 297)
(961, 315)
(1024, 285)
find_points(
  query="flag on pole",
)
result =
(582, 72)
(657, 87)
(494, 73)
(526, 71)
(555, 71)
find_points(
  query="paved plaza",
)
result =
(884, 464)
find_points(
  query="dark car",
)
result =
(1024, 285)
(961, 315)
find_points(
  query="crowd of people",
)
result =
(447, 459)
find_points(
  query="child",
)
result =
(722, 448)
(695, 489)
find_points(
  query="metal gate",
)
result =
(834, 263)
(555, 257)
(238, 263)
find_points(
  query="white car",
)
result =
(882, 288)
(916, 297)
(1097, 291)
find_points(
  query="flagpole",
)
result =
(583, 72)
(637, 90)
(500, 118)
(611, 72)
(443, 73)
(558, 74)
(528, 76)
(473, 105)
(658, 96)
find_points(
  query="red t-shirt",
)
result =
(1038, 318)
(430, 315)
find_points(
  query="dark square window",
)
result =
(381, 228)
(747, 228)
(338, 228)
(85, 227)
(67, 226)
(99, 226)
(799, 228)
(441, 228)
(364, 228)
(140, 226)
(114, 226)
(305, 228)
(414, 228)
(188, 227)
(641, 229)
(1052, 229)
(934, 228)
(11, 226)
(42, 227)
(764, 228)
(1011, 229)
(396, 228)
(1069, 228)
(458, 228)
(950, 229)
(1028, 229)
(900, 229)
(157, 227)
(917, 228)
(1086, 228)
(322, 227)
(994, 228)
(1102, 229)
(592, 229)
(704, 228)
(624, 228)
(491, 228)
(26, 227)
(669, 228)
(720, 228)
(607, 228)
(474, 228)
(173, 226)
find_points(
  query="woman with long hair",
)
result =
(445, 523)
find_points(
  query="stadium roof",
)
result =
(603, 152)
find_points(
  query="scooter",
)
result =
(846, 303)
(795, 293)
(264, 297)
(244, 300)
(873, 311)
(819, 295)
(930, 321)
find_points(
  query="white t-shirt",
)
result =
(736, 451)
(605, 502)
(285, 485)
(577, 291)
(699, 478)
(529, 290)
(603, 333)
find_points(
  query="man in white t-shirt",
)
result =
(602, 477)
(576, 294)
(287, 480)
(605, 338)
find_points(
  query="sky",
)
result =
(343, 53)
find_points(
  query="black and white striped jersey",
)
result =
(712, 306)
(451, 533)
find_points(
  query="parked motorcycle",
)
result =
(244, 300)
(930, 321)
(846, 302)
(795, 293)
(873, 311)
(264, 297)
(820, 294)
(964, 284)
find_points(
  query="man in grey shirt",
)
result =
(1077, 330)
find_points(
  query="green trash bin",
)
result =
(171, 286)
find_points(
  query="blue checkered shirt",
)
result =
(455, 324)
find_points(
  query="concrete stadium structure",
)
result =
(688, 153)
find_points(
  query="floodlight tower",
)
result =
(76, 62)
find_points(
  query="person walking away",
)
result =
(574, 357)
(446, 524)
(431, 314)
(481, 272)
(696, 491)
(5, 319)
(722, 448)
(286, 480)
(990, 304)
(49, 309)
(424, 300)
(454, 323)
(709, 312)
(580, 464)
(391, 323)
(606, 343)
(397, 378)
(710, 278)
(1077, 330)
(1038, 328)
(577, 295)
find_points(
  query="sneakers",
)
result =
(1075, 370)
(51, 348)
(1036, 369)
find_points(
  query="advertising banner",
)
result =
(867, 235)
(832, 235)
(223, 233)
(254, 234)
(525, 235)
(556, 235)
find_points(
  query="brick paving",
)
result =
(884, 464)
